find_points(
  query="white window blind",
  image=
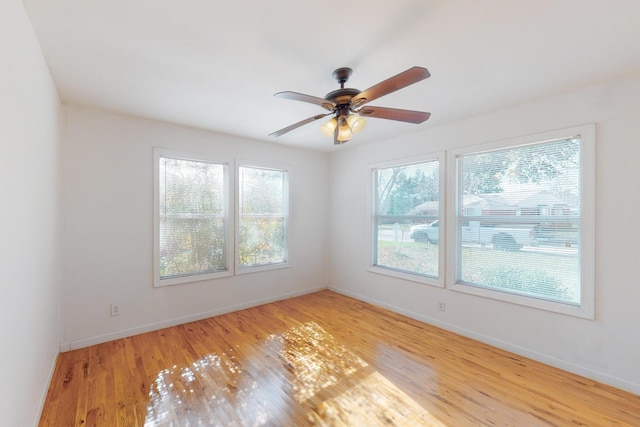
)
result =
(518, 220)
(191, 205)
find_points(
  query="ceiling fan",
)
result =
(348, 106)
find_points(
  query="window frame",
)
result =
(286, 196)
(586, 308)
(439, 157)
(159, 153)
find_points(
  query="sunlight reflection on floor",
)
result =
(304, 372)
(214, 390)
(340, 388)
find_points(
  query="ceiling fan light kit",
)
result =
(347, 105)
(349, 127)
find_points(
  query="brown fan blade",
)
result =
(409, 116)
(392, 84)
(328, 105)
(297, 125)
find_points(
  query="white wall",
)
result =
(607, 349)
(107, 185)
(29, 220)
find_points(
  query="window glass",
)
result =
(262, 216)
(518, 220)
(407, 208)
(191, 217)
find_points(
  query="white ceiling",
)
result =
(216, 64)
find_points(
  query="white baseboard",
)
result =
(540, 357)
(52, 369)
(86, 342)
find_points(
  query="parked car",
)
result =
(503, 238)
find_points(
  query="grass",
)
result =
(414, 257)
(549, 275)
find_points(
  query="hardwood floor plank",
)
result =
(324, 360)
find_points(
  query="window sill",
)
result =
(426, 280)
(160, 283)
(259, 268)
(585, 311)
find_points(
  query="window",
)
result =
(407, 198)
(191, 218)
(262, 217)
(523, 221)
(193, 225)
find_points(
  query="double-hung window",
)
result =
(197, 226)
(522, 228)
(191, 218)
(407, 201)
(262, 217)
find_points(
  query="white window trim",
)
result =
(270, 166)
(586, 309)
(229, 178)
(440, 157)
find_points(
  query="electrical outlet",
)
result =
(441, 306)
(115, 310)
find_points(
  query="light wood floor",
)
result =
(321, 359)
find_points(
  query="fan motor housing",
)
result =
(342, 96)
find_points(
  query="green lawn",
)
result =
(549, 275)
(414, 257)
